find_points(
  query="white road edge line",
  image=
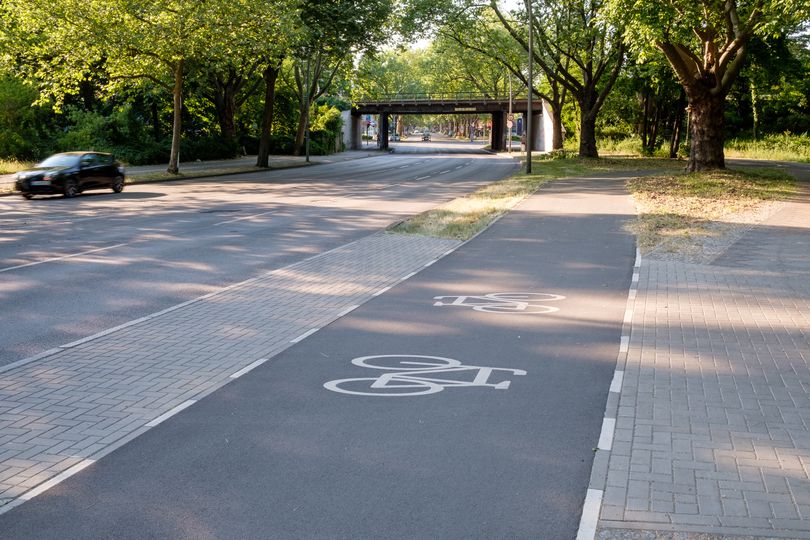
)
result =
(635, 277)
(616, 383)
(64, 475)
(249, 367)
(460, 167)
(408, 276)
(590, 515)
(165, 416)
(305, 335)
(347, 311)
(606, 436)
(430, 263)
(638, 259)
(422, 177)
(633, 293)
(54, 259)
(378, 293)
(625, 343)
(628, 316)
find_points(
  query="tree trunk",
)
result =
(177, 94)
(270, 76)
(226, 112)
(300, 133)
(155, 121)
(677, 126)
(587, 135)
(707, 132)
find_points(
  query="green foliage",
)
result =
(21, 122)
(785, 147)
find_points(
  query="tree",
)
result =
(706, 43)
(577, 49)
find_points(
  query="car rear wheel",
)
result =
(71, 188)
(118, 184)
(28, 196)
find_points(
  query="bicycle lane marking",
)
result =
(424, 375)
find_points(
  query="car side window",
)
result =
(86, 160)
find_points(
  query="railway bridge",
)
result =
(464, 103)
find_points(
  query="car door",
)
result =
(87, 171)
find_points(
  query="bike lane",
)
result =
(505, 452)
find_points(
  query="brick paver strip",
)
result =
(80, 403)
(712, 434)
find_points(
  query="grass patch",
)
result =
(678, 210)
(461, 218)
(164, 176)
(784, 147)
(9, 166)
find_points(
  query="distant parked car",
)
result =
(395, 137)
(426, 136)
(70, 173)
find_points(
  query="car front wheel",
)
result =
(28, 196)
(71, 188)
(118, 184)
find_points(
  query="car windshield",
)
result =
(60, 160)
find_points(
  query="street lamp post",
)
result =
(529, 98)
(306, 129)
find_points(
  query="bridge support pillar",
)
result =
(497, 141)
(355, 128)
(383, 131)
(537, 131)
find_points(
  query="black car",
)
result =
(71, 173)
(426, 136)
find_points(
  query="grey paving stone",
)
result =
(717, 392)
(102, 391)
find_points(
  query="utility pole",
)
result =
(509, 118)
(529, 98)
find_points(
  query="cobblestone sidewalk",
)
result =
(62, 412)
(712, 435)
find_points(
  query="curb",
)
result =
(592, 506)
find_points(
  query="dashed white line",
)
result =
(624, 344)
(590, 515)
(628, 316)
(378, 293)
(53, 259)
(445, 172)
(422, 177)
(347, 311)
(64, 475)
(248, 368)
(633, 293)
(460, 167)
(408, 276)
(305, 335)
(430, 263)
(616, 383)
(606, 436)
(165, 416)
(635, 277)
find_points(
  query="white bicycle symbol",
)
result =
(415, 375)
(509, 302)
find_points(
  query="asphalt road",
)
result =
(72, 267)
(281, 454)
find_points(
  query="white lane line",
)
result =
(305, 335)
(242, 218)
(403, 167)
(445, 172)
(408, 276)
(165, 416)
(448, 252)
(64, 475)
(249, 367)
(430, 263)
(638, 258)
(624, 344)
(633, 293)
(616, 383)
(590, 515)
(347, 311)
(378, 293)
(635, 277)
(422, 177)
(460, 167)
(606, 436)
(628, 316)
(53, 259)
